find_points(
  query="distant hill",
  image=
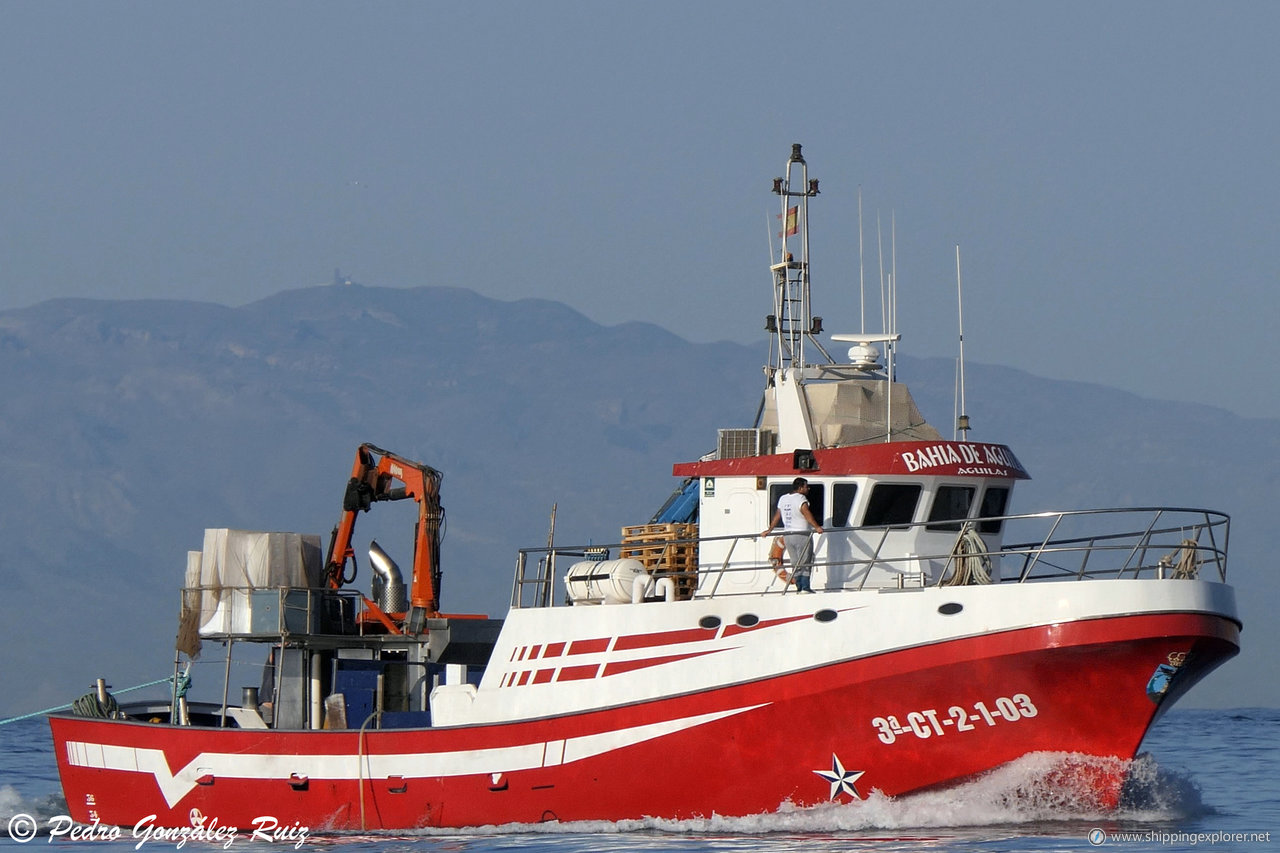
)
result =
(127, 427)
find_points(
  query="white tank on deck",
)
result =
(603, 582)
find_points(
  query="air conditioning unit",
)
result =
(740, 443)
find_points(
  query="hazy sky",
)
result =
(1109, 169)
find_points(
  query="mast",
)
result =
(800, 371)
(791, 324)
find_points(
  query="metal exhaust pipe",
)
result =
(388, 582)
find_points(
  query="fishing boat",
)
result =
(921, 637)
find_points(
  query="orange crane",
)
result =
(372, 478)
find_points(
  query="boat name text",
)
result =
(994, 457)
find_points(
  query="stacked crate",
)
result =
(666, 550)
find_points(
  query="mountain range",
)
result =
(127, 427)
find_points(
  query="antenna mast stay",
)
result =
(862, 278)
(962, 419)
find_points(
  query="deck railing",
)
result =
(272, 613)
(1145, 542)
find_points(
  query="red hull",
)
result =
(896, 722)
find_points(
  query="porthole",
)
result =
(747, 620)
(951, 608)
(709, 622)
(825, 616)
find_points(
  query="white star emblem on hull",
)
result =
(842, 781)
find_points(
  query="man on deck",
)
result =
(798, 525)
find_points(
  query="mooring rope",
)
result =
(971, 560)
(82, 699)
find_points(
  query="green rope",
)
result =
(89, 705)
(70, 705)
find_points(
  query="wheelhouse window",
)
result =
(892, 504)
(816, 498)
(950, 507)
(842, 496)
(994, 502)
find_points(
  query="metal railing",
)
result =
(271, 613)
(1144, 542)
(1173, 542)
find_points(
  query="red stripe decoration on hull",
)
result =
(897, 722)
(547, 669)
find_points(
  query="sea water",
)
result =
(1206, 780)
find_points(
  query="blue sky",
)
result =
(1108, 169)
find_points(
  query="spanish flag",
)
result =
(792, 226)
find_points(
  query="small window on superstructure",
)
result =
(817, 501)
(842, 497)
(950, 507)
(892, 504)
(993, 504)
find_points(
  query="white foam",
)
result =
(10, 801)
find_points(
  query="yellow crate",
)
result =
(659, 549)
(651, 532)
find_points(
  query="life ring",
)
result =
(775, 559)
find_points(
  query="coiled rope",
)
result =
(91, 705)
(1185, 561)
(971, 560)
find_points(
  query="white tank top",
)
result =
(792, 518)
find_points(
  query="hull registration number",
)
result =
(933, 722)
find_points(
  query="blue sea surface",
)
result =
(1206, 780)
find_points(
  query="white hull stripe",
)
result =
(175, 786)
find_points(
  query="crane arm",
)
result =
(373, 475)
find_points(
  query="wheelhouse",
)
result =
(911, 498)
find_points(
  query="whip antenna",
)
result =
(962, 419)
